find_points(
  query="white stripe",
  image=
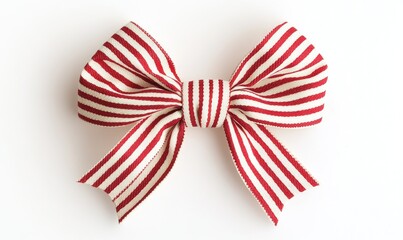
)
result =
(288, 108)
(195, 100)
(283, 120)
(185, 107)
(214, 102)
(206, 99)
(158, 93)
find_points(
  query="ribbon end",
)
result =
(83, 180)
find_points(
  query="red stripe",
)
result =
(289, 157)
(191, 106)
(209, 103)
(253, 52)
(271, 154)
(220, 99)
(243, 174)
(153, 172)
(267, 55)
(201, 96)
(286, 125)
(131, 149)
(141, 157)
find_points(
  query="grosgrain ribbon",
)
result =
(132, 80)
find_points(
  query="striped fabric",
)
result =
(205, 102)
(132, 80)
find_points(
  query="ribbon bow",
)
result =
(132, 80)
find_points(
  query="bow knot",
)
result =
(132, 80)
(205, 102)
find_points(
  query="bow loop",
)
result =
(128, 79)
(135, 49)
(111, 95)
(281, 81)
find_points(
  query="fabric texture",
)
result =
(132, 80)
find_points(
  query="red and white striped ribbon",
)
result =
(132, 80)
(205, 102)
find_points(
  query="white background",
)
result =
(355, 152)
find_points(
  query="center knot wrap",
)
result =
(205, 102)
(131, 80)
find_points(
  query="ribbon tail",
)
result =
(152, 174)
(132, 169)
(270, 172)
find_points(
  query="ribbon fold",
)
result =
(132, 80)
